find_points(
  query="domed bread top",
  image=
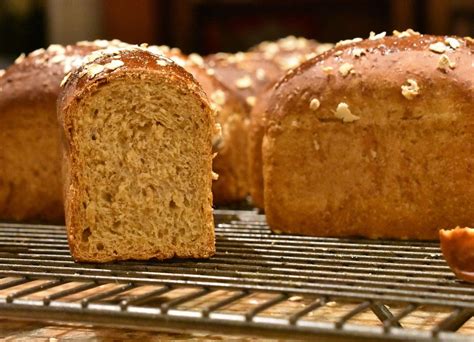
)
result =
(407, 65)
(37, 76)
(102, 64)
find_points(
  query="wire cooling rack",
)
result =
(258, 283)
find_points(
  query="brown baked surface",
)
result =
(30, 172)
(373, 138)
(138, 151)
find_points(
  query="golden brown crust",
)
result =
(371, 139)
(457, 246)
(388, 62)
(31, 185)
(103, 67)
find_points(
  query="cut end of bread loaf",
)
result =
(139, 169)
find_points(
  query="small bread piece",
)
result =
(372, 139)
(138, 151)
(30, 158)
(457, 246)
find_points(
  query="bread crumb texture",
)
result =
(141, 162)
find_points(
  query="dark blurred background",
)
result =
(206, 26)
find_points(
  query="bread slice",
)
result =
(138, 151)
(374, 139)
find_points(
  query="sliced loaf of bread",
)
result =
(138, 135)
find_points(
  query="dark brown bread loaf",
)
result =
(30, 172)
(373, 138)
(138, 151)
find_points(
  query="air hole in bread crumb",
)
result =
(86, 233)
(173, 204)
(100, 246)
(84, 205)
(93, 136)
(96, 112)
(107, 197)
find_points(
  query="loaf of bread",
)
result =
(138, 151)
(30, 172)
(373, 139)
(288, 52)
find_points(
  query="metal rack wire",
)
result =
(258, 283)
